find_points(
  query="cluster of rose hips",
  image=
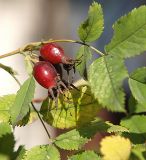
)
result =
(47, 71)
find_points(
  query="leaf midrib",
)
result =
(126, 38)
(137, 80)
(114, 91)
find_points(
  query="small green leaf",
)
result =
(91, 29)
(71, 140)
(6, 103)
(7, 141)
(8, 69)
(21, 104)
(75, 108)
(138, 152)
(135, 107)
(84, 55)
(137, 83)
(116, 128)
(44, 152)
(28, 65)
(4, 129)
(129, 34)
(20, 153)
(135, 138)
(30, 117)
(106, 75)
(87, 155)
(135, 124)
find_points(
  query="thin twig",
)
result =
(36, 45)
(41, 120)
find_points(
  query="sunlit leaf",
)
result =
(137, 83)
(135, 124)
(6, 102)
(44, 152)
(75, 108)
(129, 34)
(92, 27)
(106, 75)
(115, 147)
(23, 98)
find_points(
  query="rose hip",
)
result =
(54, 54)
(45, 74)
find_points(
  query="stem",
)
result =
(10, 54)
(35, 111)
(41, 120)
(36, 45)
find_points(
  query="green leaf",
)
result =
(29, 118)
(75, 108)
(76, 138)
(129, 34)
(135, 138)
(8, 69)
(87, 155)
(91, 29)
(116, 128)
(137, 83)
(20, 153)
(21, 104)
(106, 75)
(135, 107)
(28, 64)
(4, 129)
(138, 152)
(44, 152)
(7, 141)
(135, 124)
(6, 103)
(84, 55)
(71, 140)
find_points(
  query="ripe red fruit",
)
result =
(45, 74)
(54, 54)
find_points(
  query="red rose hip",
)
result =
(45, 74)
(52, 52)
(55, 54)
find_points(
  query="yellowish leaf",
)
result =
(115, 148)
